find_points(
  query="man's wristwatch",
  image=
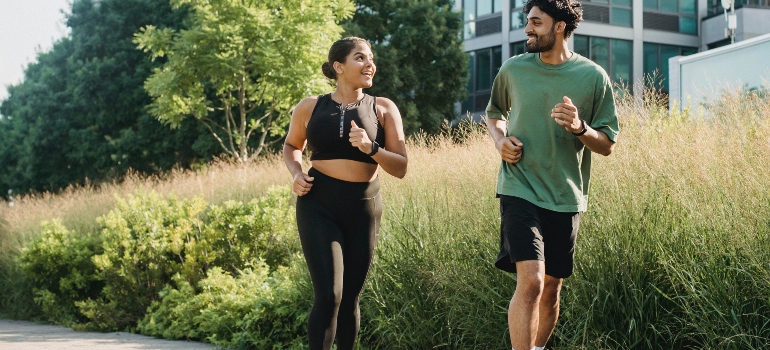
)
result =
(585, 128)
(375, 148)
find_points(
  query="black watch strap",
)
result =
(585, 128)
(375, 148)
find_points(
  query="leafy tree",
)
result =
(241, 66)
(421, 65)
(80, 112)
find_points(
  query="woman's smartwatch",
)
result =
(375, 148)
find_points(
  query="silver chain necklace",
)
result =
(344, 108)
(342, 117)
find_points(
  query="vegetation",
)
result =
(79, 115)
(420, 61)
(673, 252)
(241, 66)
(82, 116)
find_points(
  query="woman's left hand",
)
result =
(359, 138)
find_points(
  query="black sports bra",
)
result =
(329, 128)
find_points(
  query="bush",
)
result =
(58, 265)
(148, 240)
(258, 309)
(236, 233)
(107, 280)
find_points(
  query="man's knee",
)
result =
(529, 287)
(551, 289)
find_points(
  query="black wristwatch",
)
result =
(375, 148)
(585, 128)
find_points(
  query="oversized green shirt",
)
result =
(555, 167)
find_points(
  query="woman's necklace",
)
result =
(344, 108)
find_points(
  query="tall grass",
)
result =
(673, 253)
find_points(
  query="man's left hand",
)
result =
(566, 115)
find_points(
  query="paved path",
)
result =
(22, 335)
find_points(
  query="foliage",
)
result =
(241, 66)
(672, 254)
(418, 49)
(237, 232)
(257, 309)
(108, 280)
(59, 266)
(146, 240)
(78, 116)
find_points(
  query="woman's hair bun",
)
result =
(328, 70)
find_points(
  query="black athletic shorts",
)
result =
(528, 232)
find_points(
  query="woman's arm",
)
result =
(295, 142)
(392, 155)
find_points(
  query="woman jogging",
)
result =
(350, 135)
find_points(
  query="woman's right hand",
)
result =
(302, 184)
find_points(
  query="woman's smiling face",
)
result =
(359, 67)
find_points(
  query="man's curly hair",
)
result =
(568, 11)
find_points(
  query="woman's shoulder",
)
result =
(307, 104)
(384, 102)
(386, 110)
(313, 99)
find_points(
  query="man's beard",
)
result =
(545, 44)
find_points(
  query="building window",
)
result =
(483, 66)
(671, 15)
(482, 17)
(518, 18)
(615, 12)
(614, 55)
(518, 48)
(715, 6)
(656, 63)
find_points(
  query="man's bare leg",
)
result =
(549, 309)
(523, 311)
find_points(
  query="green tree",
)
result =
(80, 111)
(421, 65)
(241, 66)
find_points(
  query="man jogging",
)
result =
(550, 109)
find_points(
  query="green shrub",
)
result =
(58, 265)
(18, 301)
(106, 280)
(237, 233)
(258, 309)
(145, 241)
(149, 239)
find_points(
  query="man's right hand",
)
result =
(302, 184)
(510, 149)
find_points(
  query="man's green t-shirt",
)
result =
(555, 167)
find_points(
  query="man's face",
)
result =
(540, 30)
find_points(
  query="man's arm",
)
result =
(566, 115)
(510, 148)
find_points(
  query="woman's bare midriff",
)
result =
(346, 170)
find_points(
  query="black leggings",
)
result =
(338, 224)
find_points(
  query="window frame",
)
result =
(612, 6)
(659, 66)
(469, 25)
(689, 15)
(610, 69)
(520, 11)
(495, 61)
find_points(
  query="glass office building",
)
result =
(630, 39)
